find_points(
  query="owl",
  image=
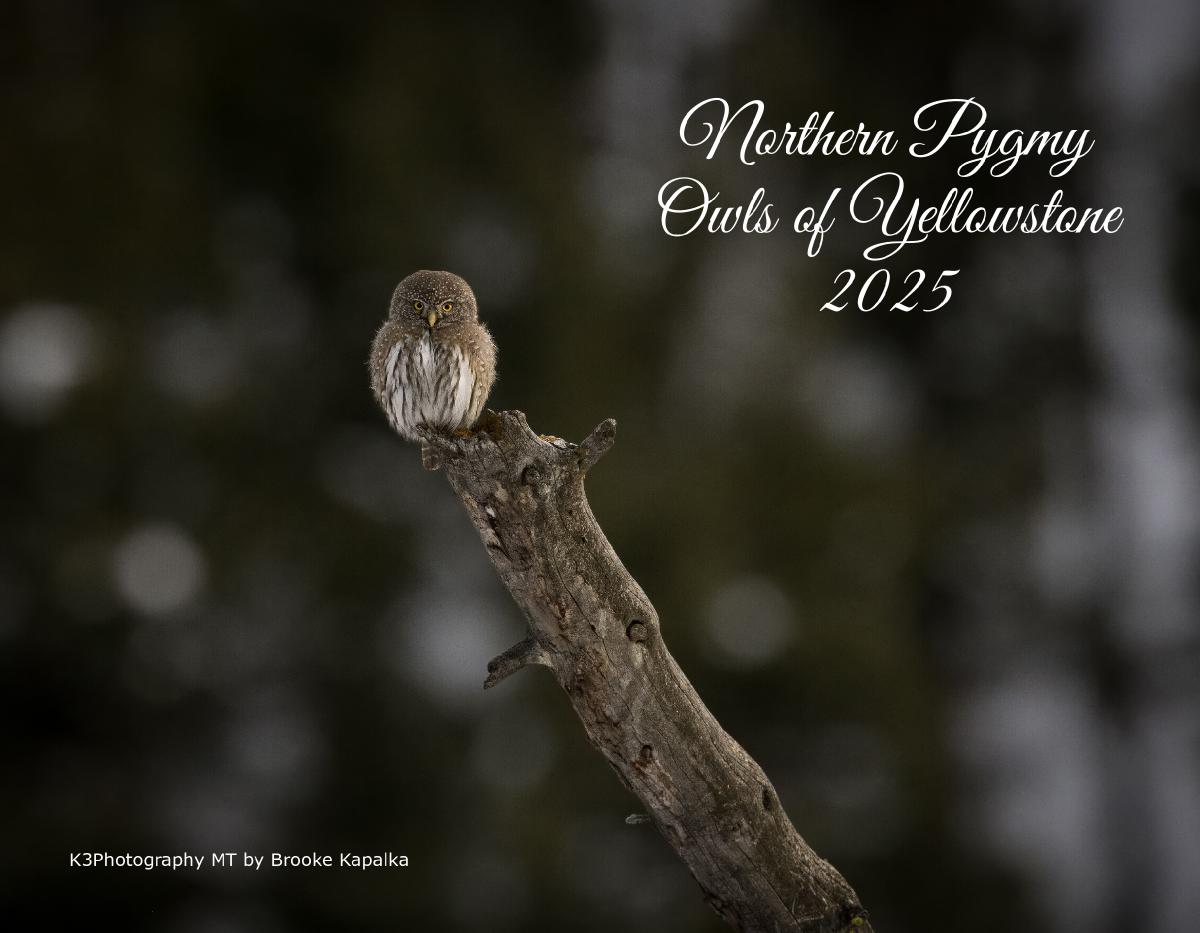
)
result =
(432, 362)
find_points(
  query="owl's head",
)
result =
(433, 300)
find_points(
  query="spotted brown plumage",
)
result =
(432, 362)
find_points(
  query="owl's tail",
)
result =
(431, 459)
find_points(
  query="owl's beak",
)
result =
(431, 317)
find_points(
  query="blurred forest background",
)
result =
(938, 573)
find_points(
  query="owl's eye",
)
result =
(418, 305)
(448, 307)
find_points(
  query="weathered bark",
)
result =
(593, 627)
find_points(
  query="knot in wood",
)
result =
(532, 475)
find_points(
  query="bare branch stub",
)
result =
(594, 628)
(597, 444)
(520, 655)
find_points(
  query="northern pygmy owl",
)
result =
(432, 363)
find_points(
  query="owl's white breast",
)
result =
(424, 362)
(464, 388)
(428, 383)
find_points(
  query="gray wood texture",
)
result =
(590, 623)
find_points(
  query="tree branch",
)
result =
(592, 625)
(518, 656)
